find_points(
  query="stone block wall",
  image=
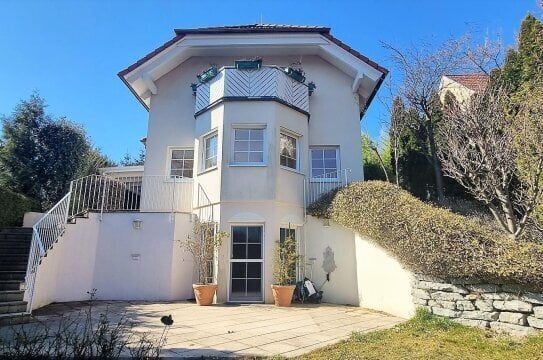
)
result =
(503, 308)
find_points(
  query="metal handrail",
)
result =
(45, 233)
(316, 186)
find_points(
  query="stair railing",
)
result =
(45, 233)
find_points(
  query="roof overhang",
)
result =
(141, 77)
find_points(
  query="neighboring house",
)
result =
(246, 146)
(462, 86)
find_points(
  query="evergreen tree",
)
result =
(128, 160)
(39, 156)
(522, 73)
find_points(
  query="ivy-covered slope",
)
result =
(430, 240)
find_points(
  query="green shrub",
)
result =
(430, 240)
(13, 207)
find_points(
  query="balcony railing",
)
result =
(317, 186)
(268, 82)
(101, 193)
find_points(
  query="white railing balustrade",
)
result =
(149, 193)
(317, 186)
(44, 234)
(268, 82)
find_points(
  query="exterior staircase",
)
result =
(14, 249)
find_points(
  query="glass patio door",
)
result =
(246, 264)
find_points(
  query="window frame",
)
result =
(312, 178)
(262, 260)
(296, 137)
(171, 149)
(262, 127)
(203, 152)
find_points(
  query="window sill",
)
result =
(248, 165)
(329, 180)
(292, 170)
(180, 180)
(208, 170)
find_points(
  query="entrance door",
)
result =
(246, 264)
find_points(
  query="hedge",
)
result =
(430, 240)
(13, 207)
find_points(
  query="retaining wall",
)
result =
(503, 308)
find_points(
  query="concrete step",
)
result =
(19, 266)
(11, 295)
(12, 275)
(10, 285)
(11, 258)
(16, 230)
(14, 318)
(10, 307)
(20, 249)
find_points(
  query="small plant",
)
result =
(285, 260)
(202, 245)
(296, 74)
(81, 337)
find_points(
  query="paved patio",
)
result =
(237, 330)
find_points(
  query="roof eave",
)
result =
(214, 31)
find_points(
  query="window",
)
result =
(182, 162)
(248, 146)
(325, 162)
(210, 151)
(288, 151)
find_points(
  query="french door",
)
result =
(246, 262)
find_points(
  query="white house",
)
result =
(462, 86)
(247, 125)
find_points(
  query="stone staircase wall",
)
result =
(504, 308)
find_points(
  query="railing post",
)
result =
(103, 198)
(68, 204)
(173, 197)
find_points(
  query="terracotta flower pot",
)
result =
(204, 293)
(282, 294)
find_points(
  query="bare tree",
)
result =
(485, 152)
(421, 69)
(374, 148)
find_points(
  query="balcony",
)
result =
(266, 83)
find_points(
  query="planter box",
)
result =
(207, 75)
(248, 64)
(295, 74)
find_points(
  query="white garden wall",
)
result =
(343, 285)
(383, 283)
(366, 275)
(120, 262)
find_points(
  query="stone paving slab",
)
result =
(235, 330)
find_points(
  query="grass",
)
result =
(429, 337)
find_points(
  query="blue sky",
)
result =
(71, 51)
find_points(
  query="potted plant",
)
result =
(284, 271)
(208, 74)
(202, 245)
(296, 74)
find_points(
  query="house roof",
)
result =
(253, 29)
(140, 75)
(475, 82)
